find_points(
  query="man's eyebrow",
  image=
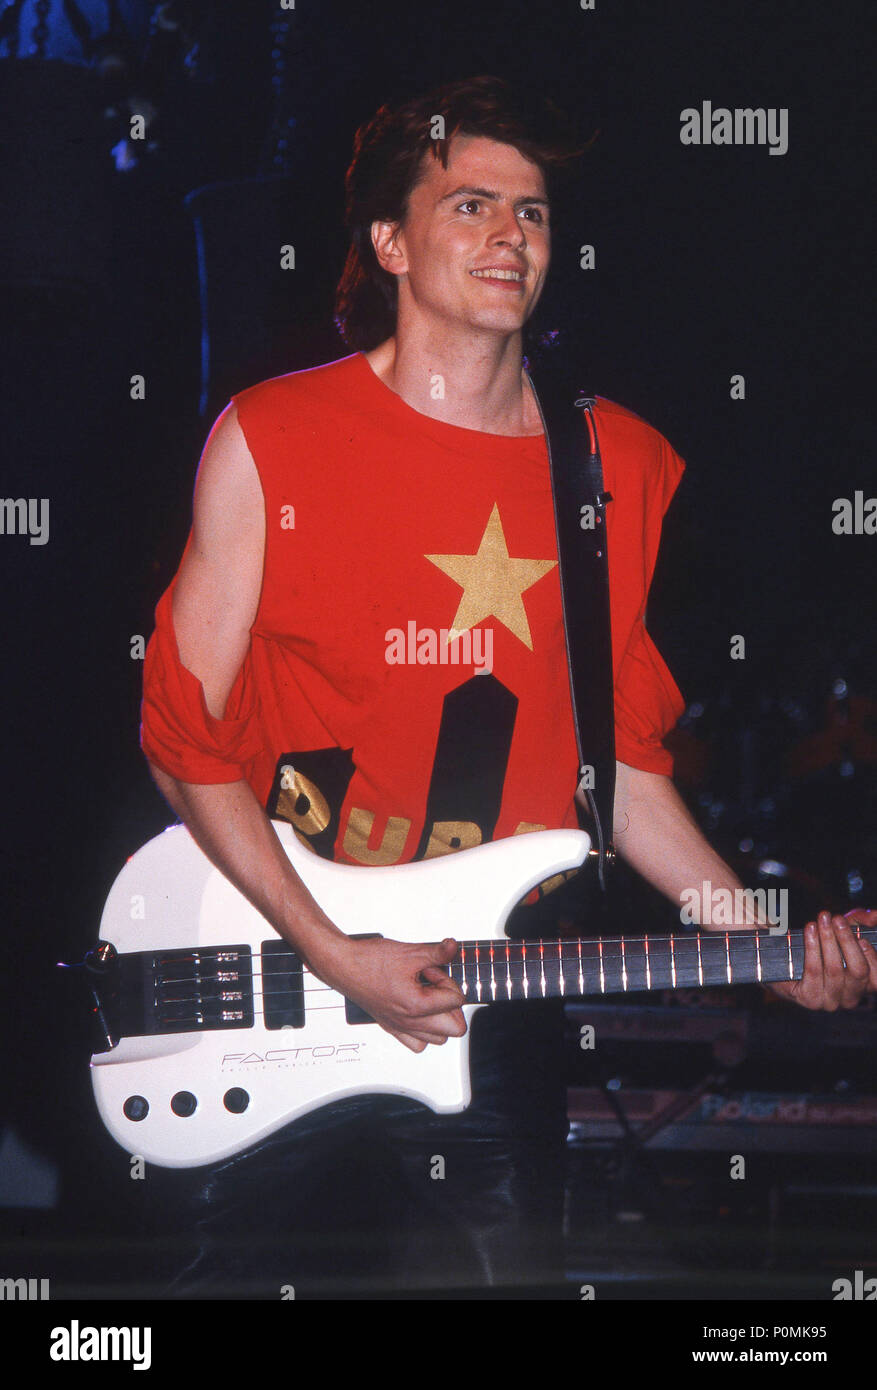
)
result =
(490, 193)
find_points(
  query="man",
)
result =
(410, 482)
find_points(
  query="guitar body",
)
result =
(200, 1094)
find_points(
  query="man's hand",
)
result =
(402, 986)
(657, 835)
(838, 968)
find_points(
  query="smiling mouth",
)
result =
(495, 273)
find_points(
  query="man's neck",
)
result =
(476, 383)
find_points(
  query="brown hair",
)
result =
(388, 153)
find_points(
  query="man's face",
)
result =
(475, 245)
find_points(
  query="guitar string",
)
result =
(570, 947)
(498, 961)
(498, 958)
(498, 993)
(496, 988)
(514, 953)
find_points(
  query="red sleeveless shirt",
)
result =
(405, 692)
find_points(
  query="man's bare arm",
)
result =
(656, 834)
(215, 602)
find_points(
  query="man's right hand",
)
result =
(401, 986)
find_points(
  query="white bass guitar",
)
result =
(215, 1035)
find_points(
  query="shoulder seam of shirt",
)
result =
(288, 379)
(612, 407)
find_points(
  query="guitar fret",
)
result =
(569, 968)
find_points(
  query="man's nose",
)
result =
(508, 229)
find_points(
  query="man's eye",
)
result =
(470, 203)
(535, 213)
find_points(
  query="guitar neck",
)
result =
(492, 971)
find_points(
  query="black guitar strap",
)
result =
(580, 516)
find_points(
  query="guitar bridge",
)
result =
(147, 993)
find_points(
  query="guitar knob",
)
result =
(136, 1108)
(184, 1104)
(236, 1100)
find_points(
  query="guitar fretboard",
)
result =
(226, 987)
(491, 971)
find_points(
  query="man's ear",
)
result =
(386, 240)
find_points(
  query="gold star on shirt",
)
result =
(492, 583)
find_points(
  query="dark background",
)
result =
(709, 262)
